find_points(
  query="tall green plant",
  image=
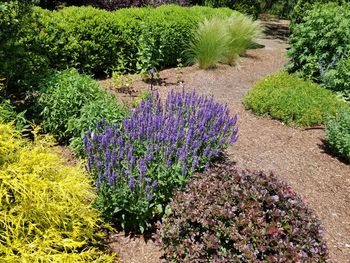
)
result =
(241, 31)
(210, 43)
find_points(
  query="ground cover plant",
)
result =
(222, 39)
(292, 100)
(72, 103)
(228, 215)
(338, 134)
(320, 46)
(137, 166)
(45, 210)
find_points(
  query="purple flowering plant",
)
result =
(138, 164)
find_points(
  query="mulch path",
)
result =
(295, 155)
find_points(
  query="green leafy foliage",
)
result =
(227, 215)
(93, 112)
(8, 114)
(73, 103)
(320, 41)
(292, 100)
(337, 78)
(46, 213)
(63, 94)
(338, 134)
(97, 41)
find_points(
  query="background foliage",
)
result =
(97, 41)
(320, 43)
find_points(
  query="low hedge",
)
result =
(292, 100)
(228, 215)
(46, 213)
(96, 41)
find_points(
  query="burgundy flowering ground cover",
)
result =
(227, 215)
(138, 165)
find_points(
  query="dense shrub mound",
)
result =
(72, 103)
(320, 42)
(228, 215)
(97, 41)
(338, 134)
(292, 100)
(137, 166)
(45, 209)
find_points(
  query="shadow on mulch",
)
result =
(276, 29)
(326, 148)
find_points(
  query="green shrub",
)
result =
(292, 100)
(97, 41)
(337, 79)
(228, 215)
(62, 96)
(320, 41)
(46, 213)
(72, 103)
(338, 134)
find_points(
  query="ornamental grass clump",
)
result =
(137, 166)
(46, 213)
(228, 215)
(242, 31)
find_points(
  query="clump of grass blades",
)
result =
(242, 31)
(222, 40)
(209, 44)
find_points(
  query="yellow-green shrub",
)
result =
(45, 205)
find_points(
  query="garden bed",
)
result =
(295, 155)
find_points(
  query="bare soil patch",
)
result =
(294, 155)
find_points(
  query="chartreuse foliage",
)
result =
(227, 215)
(292, 100)
(138, 165)
(45, 205)
(338, 134)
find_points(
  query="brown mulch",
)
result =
(294, 155)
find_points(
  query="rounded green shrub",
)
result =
(63, 94)
(73, 103)
(338, 134)
(228, 215)
(46, 213)
(292, 100)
